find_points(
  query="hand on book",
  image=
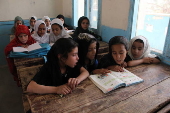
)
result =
(116, 68)
(73, 83)
(63, 89)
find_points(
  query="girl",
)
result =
(32, 20)
(66, 27)
(117, 57)
(139, 52)
(47, 21)
(22, 38)
(57, 31)
(17, 21)
(83, 27)
(61, 73)
(40, 34)
(88, 48)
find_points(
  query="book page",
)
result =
(106, 82)
(127, 77)
(34, 46)
(20, 49)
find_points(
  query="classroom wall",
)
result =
(114, 18)
(24, 8)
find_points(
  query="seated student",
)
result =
(83, 27)
(87, 51)
(139, 51)
(61, 73)
(117, 57)
(57, 31)
(17, 21)
(22, 38)
(40, 34)
(47, 21)
(32, 20)
(66, 27)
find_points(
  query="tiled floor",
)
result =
(10, 94)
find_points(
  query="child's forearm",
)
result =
(83, 74)
(135, 62)
(33, 87)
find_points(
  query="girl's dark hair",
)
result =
(60, 16)
(139, 40)
(32, 18)
(83, 48)
(62, 46)
(118, 40)
(81, 19)
(58, 25)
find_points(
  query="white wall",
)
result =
(9, 9)
(115, 13)
(67, 8)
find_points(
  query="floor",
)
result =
(11, 94)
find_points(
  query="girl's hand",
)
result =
(116, 68)
(64, 89)
(154, 60)
(124, 64)
(146, 60)
(73, 82)
(101, 71)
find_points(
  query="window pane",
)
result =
(93, 14)
(153, 20)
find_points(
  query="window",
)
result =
(88, 8)
(152, 22)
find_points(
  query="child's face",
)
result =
(41, 30)
(85, 24)
(137, 49)
(47, 22)
(91, 51)
(23, 38)
(56, 29)
(118, 53)
(32, 22)
(62, 20)
(72, 58)
(18, 23)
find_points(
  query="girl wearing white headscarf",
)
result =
(47, 21)
(57, 31)
(139, 51)
(40, 34)
(32, 21)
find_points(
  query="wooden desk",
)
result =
(153, 95)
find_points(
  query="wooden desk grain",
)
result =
(149, 96)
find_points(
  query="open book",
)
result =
(110, 81)
(30, 48)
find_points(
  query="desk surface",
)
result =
(149, 96)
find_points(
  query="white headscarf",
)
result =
(44, 18)
(63, 34)
(31, 27)
(44, 38)
(146, 49)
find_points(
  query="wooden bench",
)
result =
(153, 95)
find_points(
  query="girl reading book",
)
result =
(22, 38)
(57, 31)
(88, 48)
(117, 57)
(47, 21)
(139, 52)
(40, 34)
(61, 73)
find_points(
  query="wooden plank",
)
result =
(26, 74)
(166, 109)
(88, 98)
(147, 101)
